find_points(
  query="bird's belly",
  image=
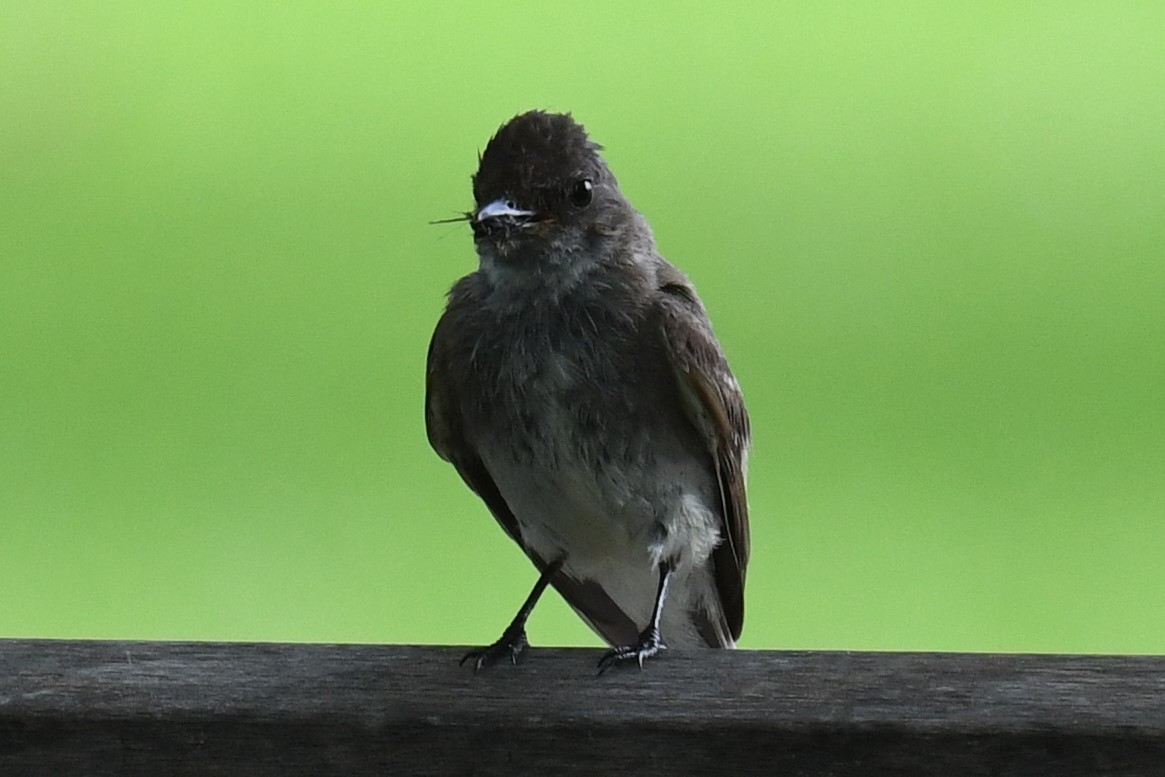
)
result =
(613, 503)
(627, 496)
(586, 511)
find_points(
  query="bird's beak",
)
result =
(501, 209)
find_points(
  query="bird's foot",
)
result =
(650, 644)
(512, 643)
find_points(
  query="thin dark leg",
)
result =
(650, 641)
(513, 640)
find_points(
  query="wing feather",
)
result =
(714, 404)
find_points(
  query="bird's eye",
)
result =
(581, 193)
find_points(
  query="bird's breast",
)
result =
(567, 446)
(578, 422)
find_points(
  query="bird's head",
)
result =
(543, 195)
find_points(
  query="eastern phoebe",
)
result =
(575, 383)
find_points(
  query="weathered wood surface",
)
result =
(105, 708)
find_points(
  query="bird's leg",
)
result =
(650, 641)
(513, 640)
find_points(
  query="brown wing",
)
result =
(715, 406)
(446, 432)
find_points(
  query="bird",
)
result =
(575, 384)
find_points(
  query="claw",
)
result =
(512, 642)
(650, 644)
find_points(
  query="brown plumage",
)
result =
(576, 385)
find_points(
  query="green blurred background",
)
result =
(931, 236)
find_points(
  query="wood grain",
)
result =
(169, 708)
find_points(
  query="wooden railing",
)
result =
(161, 708)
